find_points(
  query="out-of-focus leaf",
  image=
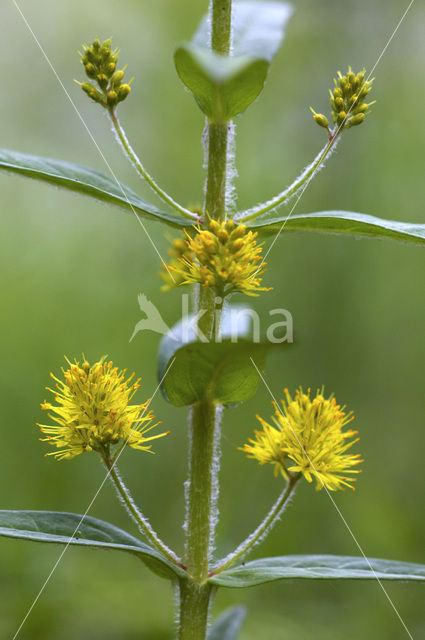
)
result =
(318, 568)
(222, 371)
(223, 86)
(345, 223)
(67, 528)
(85, 181)
(228, 625)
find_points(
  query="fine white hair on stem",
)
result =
(215, 484)
(177, 601)
(205, 146)
(130, 504)
(231, 170)
(186, 484)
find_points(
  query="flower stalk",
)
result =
(258, 534)
(134, 511)
(135, 161)
(302, 181)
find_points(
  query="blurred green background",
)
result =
(71, 271)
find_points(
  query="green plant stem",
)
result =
(221, 26)
(134, 511)
(270, 519)
(194, 606)
(195, 594)
(201, 485)
(132, 156)
(215, 199)
(302, 181)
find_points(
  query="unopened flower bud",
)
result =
(363, 108)
(102, 80)
(223, 236)
(92, 92)
(214, 226)
(238, 232)
(90, 70)
(320, 119)
(112, 98)
(117, 78)
(123, 92)
(355, 120)
(237, 245)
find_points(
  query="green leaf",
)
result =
(223, 86)
(66, 528)
(343, 222)
(258, 28)
(85, 181)
(228, 625)
(318, 568)
(222, 371)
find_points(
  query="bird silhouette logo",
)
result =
(153, 320)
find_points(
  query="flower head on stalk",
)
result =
(100, 65)
(349, 108)
(224, 256)
(93, 411)
(306, 436)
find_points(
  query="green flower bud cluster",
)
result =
(100, 64)
(347, 101)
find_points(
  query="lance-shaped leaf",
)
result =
(73, 529)
(222, 371)
(258, 28)
(222, 86)
(85, 181)
(228, 625)
(318, 568)
(344, 223)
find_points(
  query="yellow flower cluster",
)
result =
(307, 438)
(100, 64)
(224, 256)
(348, 104)
(93, 411)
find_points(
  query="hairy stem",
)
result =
(201, 493)
(221, 26)
(215, 193)
(132, 156)
(258, 534)
(215, 197)
(302, 181)
(194, 607)
(201, 485)
(135, 513)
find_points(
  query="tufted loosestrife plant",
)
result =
(96, 408)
